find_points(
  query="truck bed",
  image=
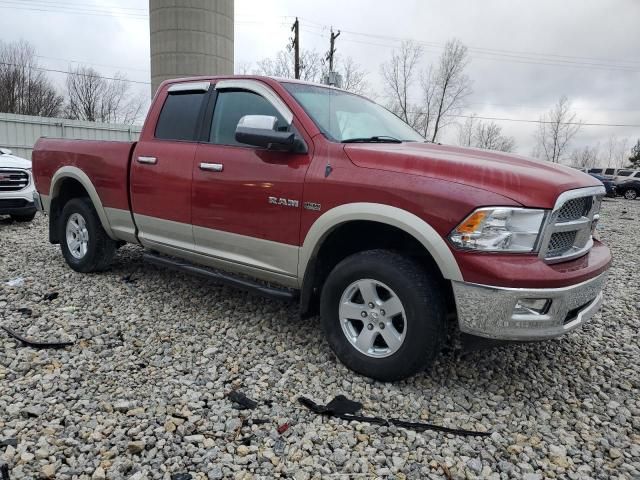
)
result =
(106, 163)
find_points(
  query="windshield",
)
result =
(343, 116)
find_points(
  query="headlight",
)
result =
(499, 229)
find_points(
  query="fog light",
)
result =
(532, 306)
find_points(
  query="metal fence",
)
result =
(20, 132)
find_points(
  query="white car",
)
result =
(16, 187)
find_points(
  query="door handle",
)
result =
(212, 167)
(148, 160)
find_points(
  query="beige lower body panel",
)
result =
(122, 224)
(269, 261)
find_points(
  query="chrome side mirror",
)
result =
(261, 131)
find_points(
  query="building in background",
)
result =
(190, 37)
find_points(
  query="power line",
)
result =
(75, 73)
(521, 120)
(91, 13)
(92, 63)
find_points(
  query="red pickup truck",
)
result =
(297, 190)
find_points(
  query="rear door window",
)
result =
(610, 171)
(179, 117)
(595, 170)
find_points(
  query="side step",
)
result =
(223, 278)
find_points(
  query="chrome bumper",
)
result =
(488, 311)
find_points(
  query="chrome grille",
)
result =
(560, 242)
(575, 209)
(13, 180)
(567, 232)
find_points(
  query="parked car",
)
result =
(326, 197)
(16, 187)
(622, 175)
(609, 185)
(608, 173)
(629, 189)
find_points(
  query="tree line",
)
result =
(432, 99)
(26, 89)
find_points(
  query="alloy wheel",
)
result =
(373, 318)
(77, 236)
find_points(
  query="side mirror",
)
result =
(260, 131)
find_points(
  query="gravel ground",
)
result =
(142, 392)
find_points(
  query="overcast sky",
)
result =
(524, 54)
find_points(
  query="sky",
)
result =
(523, 54)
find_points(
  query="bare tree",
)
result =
(353, 77)
(24, 87)
(466, 133)
(399, 75)
(430, 102)
(487, 135)
(94, 98)
(615, 152)
(585, 157)
(243, 68)
(556, 130)
(450, 85)
(282, 65)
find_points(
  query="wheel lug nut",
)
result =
(364, 314)
(371, 305)
(382, 312)
(370, 326)
(381, 325)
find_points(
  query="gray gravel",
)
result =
(141, 393)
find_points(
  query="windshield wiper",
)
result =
(375, 139)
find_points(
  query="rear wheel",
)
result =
(383, 314)
(85, 245)
(24, 218)
(630, 194)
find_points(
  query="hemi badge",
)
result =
(311, 206)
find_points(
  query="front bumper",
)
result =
(20, 202)
(16, 206)
(488, 311)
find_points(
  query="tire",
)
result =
(630, 194)
(24, 218)
(417, 332)
(79, 220)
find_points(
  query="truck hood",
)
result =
(11, 161)
(530, 182)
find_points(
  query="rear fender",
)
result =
(81, 177)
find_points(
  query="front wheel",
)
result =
(630, 194)
(383, 314)
(85, 245)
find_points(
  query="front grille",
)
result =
(13, 180)
(560, 243)
(575, 209)
(567, 234)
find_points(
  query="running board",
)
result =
(223, 278)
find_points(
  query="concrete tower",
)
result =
(190, 37)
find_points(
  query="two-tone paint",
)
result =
(156, 193)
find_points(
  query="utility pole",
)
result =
(296, 46)
(332, 49)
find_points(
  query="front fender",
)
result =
(381, 213)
